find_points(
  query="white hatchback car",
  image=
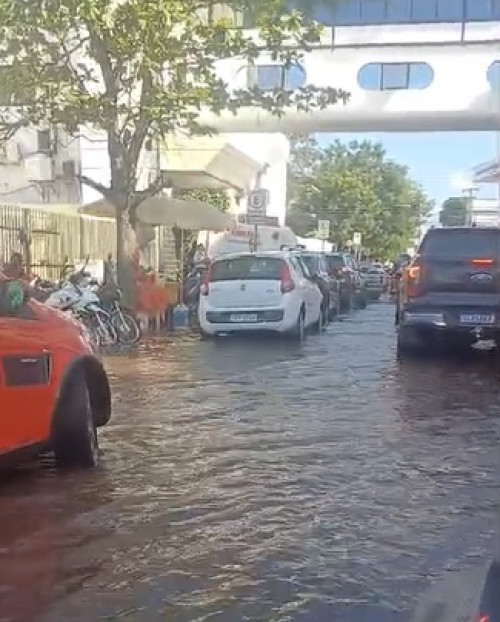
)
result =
(266, 291)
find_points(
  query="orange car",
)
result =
(54, 392)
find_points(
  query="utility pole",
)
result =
(469, 195)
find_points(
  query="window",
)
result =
(469, 243)
(69, 169)
(398, 11)
(493, 75)
(348, 12)
(298, 266)
(43, 141)
(373, 11)
(450, 10)
(269, 77)
(246, 268)
(311, 263)
(395, 76)
(423, 10)
(478, 9)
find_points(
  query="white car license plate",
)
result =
(477, 318)
(243, 317)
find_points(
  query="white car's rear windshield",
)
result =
(247, 268)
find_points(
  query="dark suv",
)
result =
(343, 267)
(450, 292)
(327, 283)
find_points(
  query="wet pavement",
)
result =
(258, 480)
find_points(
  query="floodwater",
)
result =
(259, 480)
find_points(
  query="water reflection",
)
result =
(253, 479)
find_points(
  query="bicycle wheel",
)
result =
(126, 327)
(105, 329)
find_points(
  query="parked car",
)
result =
(374, 281)
(450, 292)
(327, 283)
(54, 392)
(267, 291)
(343, 267)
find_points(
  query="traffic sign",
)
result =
(323, 229)
(257, 203)
(356, 238)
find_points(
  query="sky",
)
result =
(441, 162)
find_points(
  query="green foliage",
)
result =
(453, 212)
(358, 189)
(218, 198)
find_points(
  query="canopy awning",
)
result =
(206, 162)
(168, 212)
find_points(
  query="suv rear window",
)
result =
(462, 243)
(247, 268)
(335, 261)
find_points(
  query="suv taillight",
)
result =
(204, 288)
(413, 279)
(287, 283)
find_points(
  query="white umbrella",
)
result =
(169, 212)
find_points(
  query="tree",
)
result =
(140, 70)
(358, 189)
(453, 212)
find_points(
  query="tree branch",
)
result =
(143, 123)
(95, 185)
(9, 128)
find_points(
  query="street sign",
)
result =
(356, 238)
(257, 203)
(323, 229)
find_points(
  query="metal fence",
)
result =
(57, 239)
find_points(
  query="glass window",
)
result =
(496, 10)
(348, 12)
(370, 77)
(322, 12)
(395, 76)
(421, 76)
(469, 243)
(423, 10)
(246, 268)
(269, 77)
(373, 11)
(305, 268)
(297, 266)
(493, 75)
(398, 11)
(450, 10)
(478, 9)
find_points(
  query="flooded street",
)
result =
(254, 480)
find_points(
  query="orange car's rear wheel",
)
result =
(75, 435)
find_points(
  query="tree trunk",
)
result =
(125, 265)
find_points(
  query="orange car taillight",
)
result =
(413, 280)
(287, 283)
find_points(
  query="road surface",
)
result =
(259, 480)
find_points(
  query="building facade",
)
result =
(40, 165)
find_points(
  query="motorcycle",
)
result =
(79, 297)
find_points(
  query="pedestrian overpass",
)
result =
(401, 77)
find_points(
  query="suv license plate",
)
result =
(243, 317)
(477, 318)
